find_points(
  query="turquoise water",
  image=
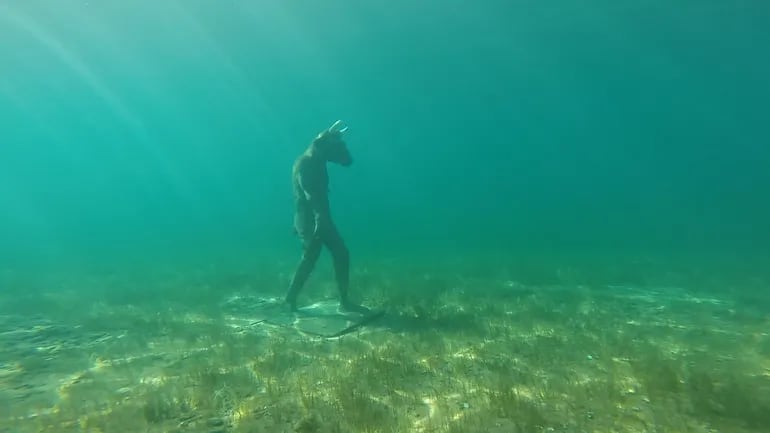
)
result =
(519, 125)
(146, 147)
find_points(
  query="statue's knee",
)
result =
(312, 253)
(340, 251)
(312, 256)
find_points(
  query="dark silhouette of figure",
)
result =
(312, 216)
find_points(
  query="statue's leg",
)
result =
(311, 252)
(341, 258)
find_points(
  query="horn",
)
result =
(336, 127)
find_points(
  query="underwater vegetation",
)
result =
(453, 354)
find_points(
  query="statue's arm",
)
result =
(317, 195)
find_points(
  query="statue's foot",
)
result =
(349, 307)
(291, 304)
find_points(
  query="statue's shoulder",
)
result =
(300, 163)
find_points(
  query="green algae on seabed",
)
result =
(536, 358)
